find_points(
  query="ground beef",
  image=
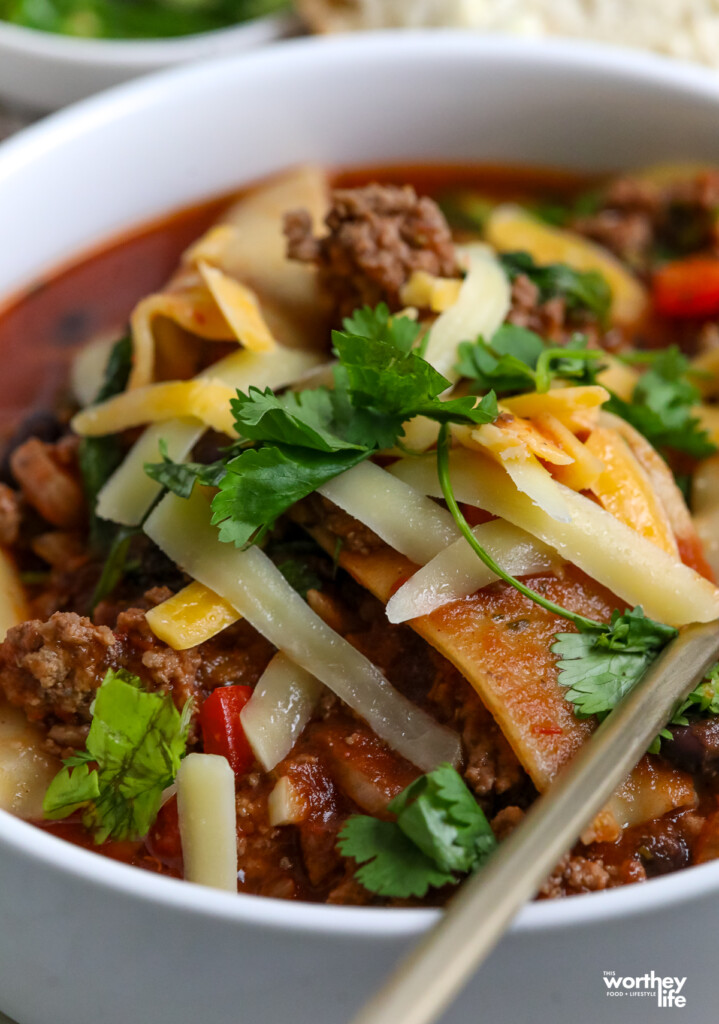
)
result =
(575, 874)
(637, 218)
(47, 477)
(53, 668)
(355, 536)
(553, 321)
(377, 236)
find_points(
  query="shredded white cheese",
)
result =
(208, 823)
(257, 590)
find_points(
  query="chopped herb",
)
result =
(136, 742)
(303, 439)
(703, 700)
(378, 324)
(440, 834)
(180, 477)
(99, 457)
(600, 663)
(582, 290)
(517, 360)
(599, 667)
(662, 406)
(116, 563)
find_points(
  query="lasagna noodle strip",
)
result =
(257, 590)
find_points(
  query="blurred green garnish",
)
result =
(134, 19)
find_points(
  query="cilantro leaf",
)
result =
(137, 740)
(180, 477)
(391, 864)
(262, 483)
(299, 418)
(440, 832)
(379, 325)
(600, 666)
(400, 385)
(505, 364)
(580, 289)
(440, 815)
(517, 360)
(662, 405)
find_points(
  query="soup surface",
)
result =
(324, 693)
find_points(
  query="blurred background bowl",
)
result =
(40, 71)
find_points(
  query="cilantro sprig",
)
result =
(292, 444)
(662, 405)
(440, 833)
(601, 662)
(702, 702)
(133, 750)
(516, 360)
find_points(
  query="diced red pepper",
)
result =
(222, 730)
(687, 288)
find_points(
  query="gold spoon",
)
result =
(476, 918)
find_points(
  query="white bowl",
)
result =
(40, 71)
(84, 939)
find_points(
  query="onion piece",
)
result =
(129, 493)
(285, 805)
(257, 590)
(403, 517)
(208, 822)
(483, 303)
(629, 565)
(456, 572)
(278, 710)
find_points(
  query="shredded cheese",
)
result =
(194, 309)
(625, 490)
(404, 518)
(481, 306)
(278, 710)
(609, 551)
(577, 408)
(456, 572)
(240, 308)
(257, 590)
(129, 493)
(190, 617)
(207, 401)
(208, 823)
(584, 468)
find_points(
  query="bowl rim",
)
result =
(138, 53)
(36, 143)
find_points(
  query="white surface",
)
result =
(43, 71)
(85, 939)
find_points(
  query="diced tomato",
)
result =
(687, 288)
(222, 730)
